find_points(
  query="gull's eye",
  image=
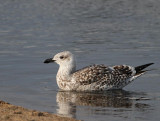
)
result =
(61, 57)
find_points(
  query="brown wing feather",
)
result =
(92, 74)
(120, 74)
(103, 75)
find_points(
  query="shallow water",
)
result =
(102, 32)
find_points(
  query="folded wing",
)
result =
(104, 76)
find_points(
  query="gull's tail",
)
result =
(139, 69)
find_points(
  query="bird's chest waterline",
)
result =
(64, 82)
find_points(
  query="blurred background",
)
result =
(107, 32)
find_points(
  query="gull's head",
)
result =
(63, 59)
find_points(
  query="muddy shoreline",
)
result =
(9, 112)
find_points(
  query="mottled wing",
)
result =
(122, 72)
(91, 74)
(104, 75)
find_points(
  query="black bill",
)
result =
(49, 60)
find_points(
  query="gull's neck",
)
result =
(66, 70)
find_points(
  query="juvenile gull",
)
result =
(93, 77)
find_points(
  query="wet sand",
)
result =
(9, 112)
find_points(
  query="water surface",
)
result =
(98, 32)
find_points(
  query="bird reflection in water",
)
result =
(68, 101)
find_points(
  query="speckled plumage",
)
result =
(94, 77)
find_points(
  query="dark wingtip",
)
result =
(140, 68)
(149, 64)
